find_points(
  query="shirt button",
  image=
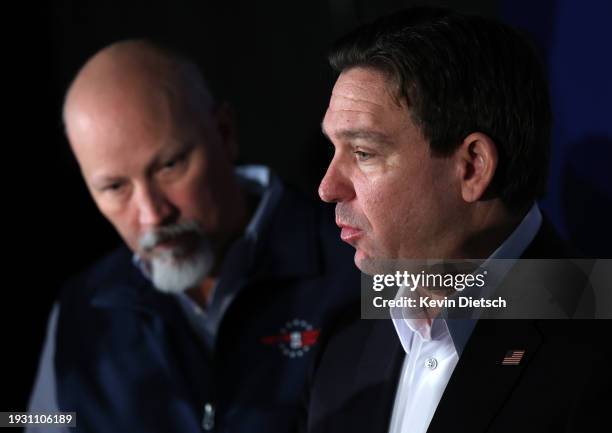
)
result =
(431, 363)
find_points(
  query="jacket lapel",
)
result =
(480, 383)
(375, 382)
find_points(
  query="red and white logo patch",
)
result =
(295, 338)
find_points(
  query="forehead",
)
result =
(363, 98)
(362, 86)
(116, 132)
(363, 104)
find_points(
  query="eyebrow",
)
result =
(102, 180)
(361, 134)
(178, 148)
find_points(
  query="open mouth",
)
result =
(350, 234)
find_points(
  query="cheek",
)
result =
(384, 204)
(193, 200)
(398, 208)
(124, 223)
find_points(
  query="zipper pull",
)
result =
(208, 420)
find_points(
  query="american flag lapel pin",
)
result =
(513, 357)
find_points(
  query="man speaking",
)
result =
(440, 124)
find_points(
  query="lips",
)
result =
(349, 234)
(178, 245)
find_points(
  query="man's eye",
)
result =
(362, 156)
(114, 187)
(172, 163)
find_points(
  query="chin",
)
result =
(177, 272)
(365, 263)
(372, 265)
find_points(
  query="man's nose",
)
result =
(335, 186)
(154, 208)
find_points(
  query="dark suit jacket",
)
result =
(562, 384)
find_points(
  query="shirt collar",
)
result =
(516, 244)
(259, 181)
(461, 329)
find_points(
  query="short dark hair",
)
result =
(461, 74)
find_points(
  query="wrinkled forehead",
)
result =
(364, 96)
(363, 87)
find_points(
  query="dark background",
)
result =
(268, 60)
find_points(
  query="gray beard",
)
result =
(175, 270)
(171, 274)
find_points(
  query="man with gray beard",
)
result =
(208, 316)
(171, 275)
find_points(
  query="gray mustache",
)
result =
(150, 239)
(345, 216)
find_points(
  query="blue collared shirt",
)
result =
(257, 180)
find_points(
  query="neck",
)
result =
(491, 224)
(201, 294)
(243, 209)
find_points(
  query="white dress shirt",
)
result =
(433, 350)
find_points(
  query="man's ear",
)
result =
(476, 160)
(225, 122)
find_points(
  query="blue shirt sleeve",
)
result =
(44, 397)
